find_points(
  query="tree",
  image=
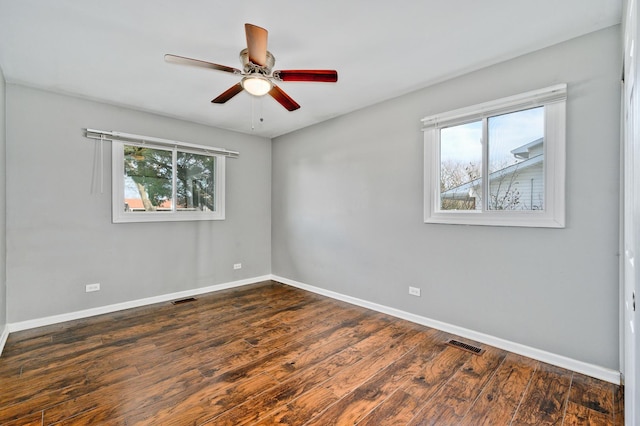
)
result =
(195, 181)
(152, 172)
(503, 186)
(454, 174)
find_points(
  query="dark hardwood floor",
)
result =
(271, 354)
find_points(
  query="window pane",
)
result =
(516, 160)
(147, 179)
(461, 167)
(195, 182)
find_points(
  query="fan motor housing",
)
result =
(249, 67)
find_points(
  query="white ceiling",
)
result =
(112, 50)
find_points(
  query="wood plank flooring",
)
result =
(270, 354)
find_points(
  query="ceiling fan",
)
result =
(257, 71)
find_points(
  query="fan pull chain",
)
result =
(253, 114)
(261, 115)
(253, 126)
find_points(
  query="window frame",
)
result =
(119, 215)
(553, 215)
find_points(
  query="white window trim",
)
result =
(121, 216)
(553, 216)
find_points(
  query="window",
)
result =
(166, 183)
(498, 163)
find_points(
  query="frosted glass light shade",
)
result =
(257, 86)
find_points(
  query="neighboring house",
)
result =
(519, 186)
(135, 205)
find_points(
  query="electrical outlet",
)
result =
(414, 291)
(237, 266)
(92, 287)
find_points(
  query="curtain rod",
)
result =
(129, 137)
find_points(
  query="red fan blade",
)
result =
(283, 99)
(195, 62)
(256, 44)
(325, 76)
(228, 94)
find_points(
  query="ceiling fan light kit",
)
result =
(258, 77)
(256, 86)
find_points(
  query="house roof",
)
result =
(136, 204)
(461, 192)
(524, 150)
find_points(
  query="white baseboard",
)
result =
(55, 319)
(3, 337)
(591, 370)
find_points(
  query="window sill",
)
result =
(165, 217)
(515, 219)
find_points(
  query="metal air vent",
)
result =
(465, 347)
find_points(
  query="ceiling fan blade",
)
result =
(324, 76)
(283, 99)
(228, 94)
(174, 59)
(256, 44)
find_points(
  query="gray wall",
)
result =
(3, 212)
(347, 212)
(59, 231)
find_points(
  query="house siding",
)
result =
(522, 184)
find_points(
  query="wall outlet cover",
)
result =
(92, 287)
